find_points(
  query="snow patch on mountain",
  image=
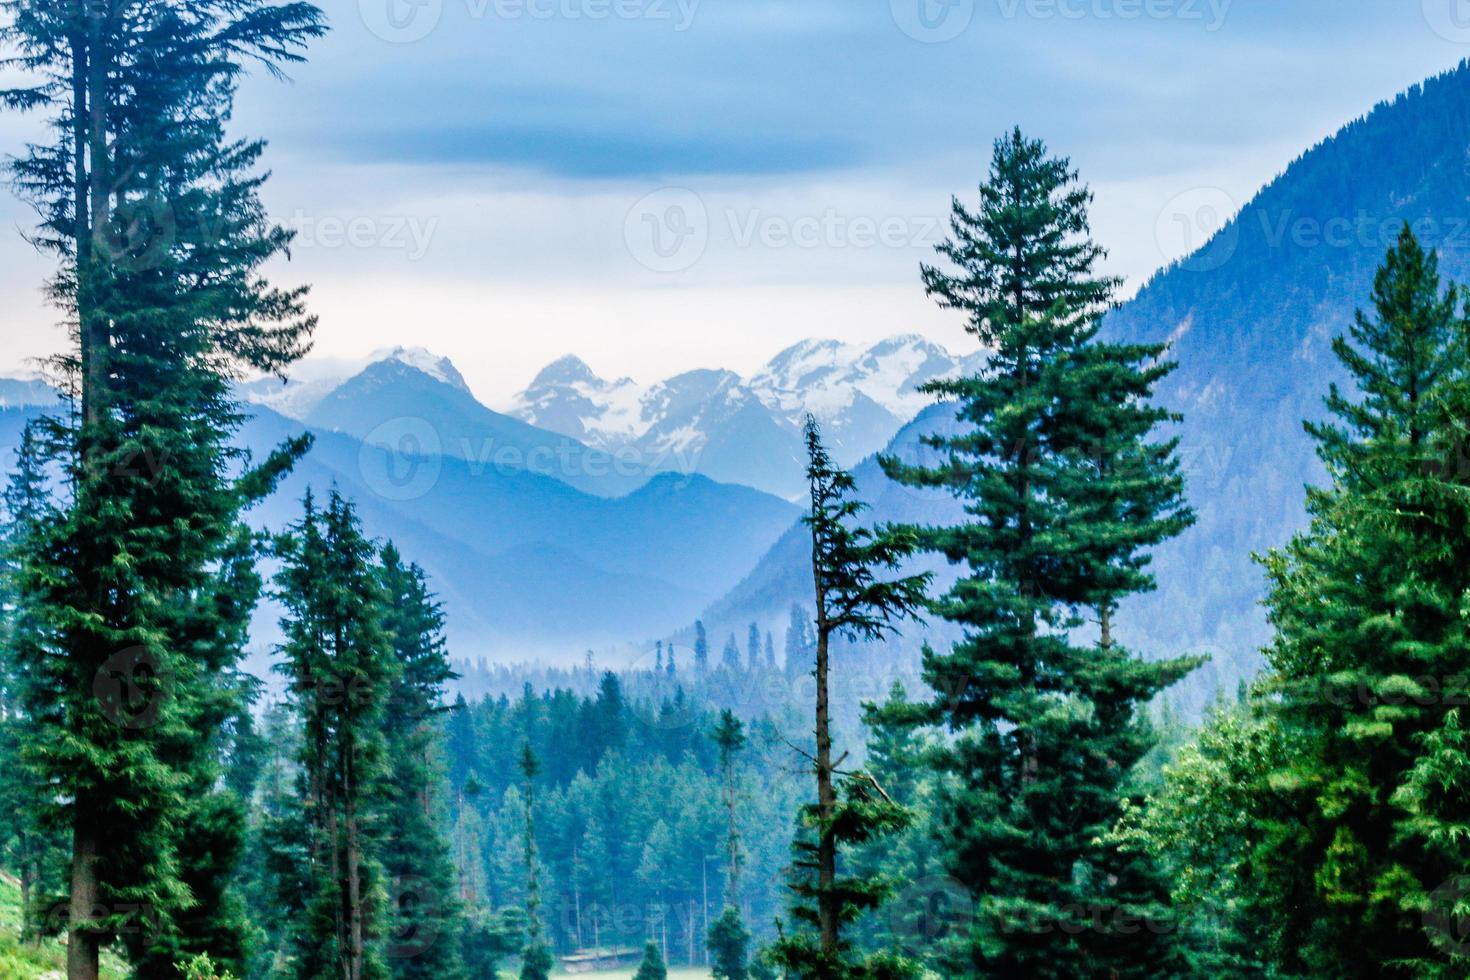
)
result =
(861, 394)
(309, 382)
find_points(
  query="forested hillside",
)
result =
(960, 721)
(1250, 318)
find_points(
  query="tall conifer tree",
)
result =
(1064, 496)
(536, 958)
(153, 215)
(416, 860)
(853, 599)
(1365, 867)
(729, 939)
(338, 659)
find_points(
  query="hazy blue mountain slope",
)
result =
(1251, 316)
(394, 403)
(783, 575)
(538, 563)
(526, 566)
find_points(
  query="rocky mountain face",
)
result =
(746, 430)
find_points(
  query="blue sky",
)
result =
(659, 185)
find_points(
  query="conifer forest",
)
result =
(1123, 634)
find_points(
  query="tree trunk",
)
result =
(88, 156)
(27, 882)
(826, 805)
(732, 839)
(82, 944)
(354, 891)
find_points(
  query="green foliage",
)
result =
(652, 966)
(1199, 825)
(729, 945)
(859, 595)
(1064, 494)
(1369, 808)
(141, 583)
(339, 660)
(536, 961)
(201, 967)
(424, 911)
(487, 940)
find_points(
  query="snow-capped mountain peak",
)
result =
(740, 428)
(310, 381)
(567, 370)
(420, 359)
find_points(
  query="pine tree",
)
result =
(854, 600)
(652, 967)
(339, 660)
(1064, 496)
(536, 959)
(800, 648)
(729, 944)
(753, 648)
(425, 921)
(153, 216)
(31, 850)
(701, 649)
(897, 758)
(728, 938)
(730, 656)
(1368, 662)
(770, 651)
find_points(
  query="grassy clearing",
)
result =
(27, 961)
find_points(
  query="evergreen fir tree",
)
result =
(339, 660)
(800, 652)
(1361, 865)
(33, 851)
(701, 649)
(753, 648)
(425, 919)
(1065, 496)
(153, 215)
(730, 656)
(729, 944)
(728, 938)
(652, 966)
(536, 959)
(854, 600)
